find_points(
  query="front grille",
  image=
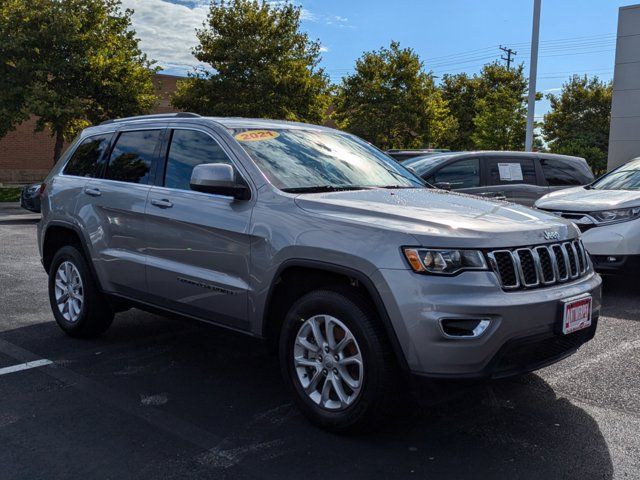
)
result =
(539, 266)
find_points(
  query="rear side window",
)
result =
(189, 148)
(85, 159)
(559, 171)
(132, 156)
(460, 174)
(509, 171)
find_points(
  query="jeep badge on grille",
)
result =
(551, 235)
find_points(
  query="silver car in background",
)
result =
(310, 238)
(608, 214)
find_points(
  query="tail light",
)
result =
(42, 188)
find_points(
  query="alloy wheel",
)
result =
(328, 362)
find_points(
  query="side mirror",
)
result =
(217, 178)
(443, 185)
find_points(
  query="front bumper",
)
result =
(416, 305)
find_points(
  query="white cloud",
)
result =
(557, 89)
(167, 30)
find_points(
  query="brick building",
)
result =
(27, 157)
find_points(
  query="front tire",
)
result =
(78, 306)
(336, 359)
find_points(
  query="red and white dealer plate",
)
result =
(577, 314)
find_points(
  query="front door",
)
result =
(198, 243)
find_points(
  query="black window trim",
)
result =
(99, 168)
(155, 157)
(164, 156)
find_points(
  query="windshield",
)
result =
(624, 178)
(297, 160)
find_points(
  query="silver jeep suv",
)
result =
(356, 271)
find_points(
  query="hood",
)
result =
(441, 219)
(580, 199)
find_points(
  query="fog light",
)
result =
(464, 328)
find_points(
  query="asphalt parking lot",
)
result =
(157, 397)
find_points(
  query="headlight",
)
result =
(615, 216)
(443, 262)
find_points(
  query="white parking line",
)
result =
(25, 366)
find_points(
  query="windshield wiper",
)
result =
(324, 188)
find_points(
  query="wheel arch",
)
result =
(58, 234)
(273, 310)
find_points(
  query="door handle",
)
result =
(94, 192)
(164, 203)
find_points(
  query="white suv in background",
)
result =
(608, 214)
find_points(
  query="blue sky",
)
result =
(451, 36)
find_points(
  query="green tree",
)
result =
(490, 108)
(578, 122)
(392, 102)
(501, 108)
(70, 63)
(262, 65)
(460, 92)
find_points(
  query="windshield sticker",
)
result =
(510, 172)
(256, 135)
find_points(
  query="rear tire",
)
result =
(329, 387)
(78, 306)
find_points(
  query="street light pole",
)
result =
(533, 71)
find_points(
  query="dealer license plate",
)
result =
(577, 315)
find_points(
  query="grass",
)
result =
(9, 194)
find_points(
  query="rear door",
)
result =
(112, 210)
(198, 261)
(514, 179)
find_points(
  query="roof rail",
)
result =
(156, 116)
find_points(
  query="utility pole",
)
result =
(533, 72)
(509, 53)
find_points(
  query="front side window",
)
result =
(559, 172)
(189, 148)
(460, 174)
(508, 171)
(133, 155)
(299, 160)
(84, 161)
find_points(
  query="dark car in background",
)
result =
(30, 197)
(404, 155)
(520, 177)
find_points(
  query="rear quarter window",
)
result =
(86, 158)
(561, 172)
